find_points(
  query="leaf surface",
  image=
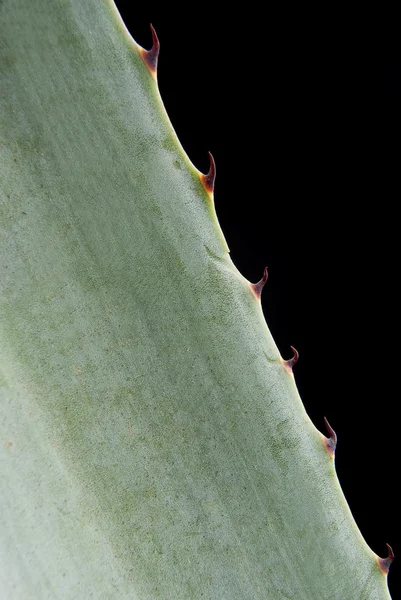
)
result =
(154, 442)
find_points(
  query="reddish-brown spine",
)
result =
(151, 56)
(331, 441)
(258, 287)
(385, 563)
(292, 361)
(209, 179)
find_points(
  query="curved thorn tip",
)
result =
(385, 563)
(258, 287)
(331, 441)
(151, 56)
(209, 179)
(292, 361)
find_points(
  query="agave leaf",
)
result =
(156, 445)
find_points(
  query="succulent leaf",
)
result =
(156, 446)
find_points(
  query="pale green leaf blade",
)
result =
(155, 446)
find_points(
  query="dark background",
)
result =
(303, 123)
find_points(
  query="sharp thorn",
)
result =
(385, 563)
(209, 179)
(151, 56)
(258, 287)
(292, 361)
(331, 441)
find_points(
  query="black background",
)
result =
(303, 124)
